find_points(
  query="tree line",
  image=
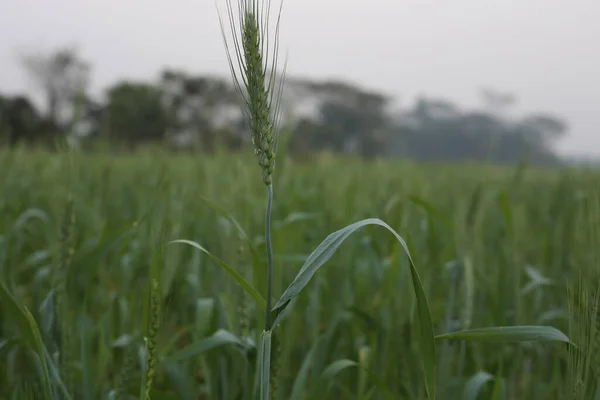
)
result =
(188, 112)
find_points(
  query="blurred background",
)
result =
(427, 80)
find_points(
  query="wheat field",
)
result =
(96, 304)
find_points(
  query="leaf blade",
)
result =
(220, 338)
(521, 333)
(475, 384)
(325, 251)
(28, 328)
(237, 277)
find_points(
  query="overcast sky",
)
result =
(546, 52)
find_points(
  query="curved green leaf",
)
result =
(333, 369)
(30, 214)
(238, 278)
(324, 252)
(552, 314)
(509, 334)
(328, 375)
(53, 370)
(183, 384)
(295, 216)
(87, 257)
(505, 209)
(499, 390)
(218, 339)
(223, 212)
(258, 272)
(475, 384)
(29, 331)
(536, 280)
(429, 209)
(472, 209)
(302, 376)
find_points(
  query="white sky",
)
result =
(546, 52)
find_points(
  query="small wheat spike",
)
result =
(151, 339)
(60, 286)
(261, 100)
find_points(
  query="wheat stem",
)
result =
(269, 257)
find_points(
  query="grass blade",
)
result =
(265, 366)
(326, 250)
(29, 330)
(302, 376)
(509, 334)
(218, 339)
(475, 384)
(223, 212)
(238, 278)
(335, 368)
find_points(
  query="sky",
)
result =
(545, 52)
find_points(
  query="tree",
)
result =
(349, 119)
(438, 130)
(134, 113)
(17, 116)
(496, 102)
(543, 128)
(21, 122)
(198, 106)
(62, 76)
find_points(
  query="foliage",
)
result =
(202, 112)
(494, 247)
(62, 76)
(134, 113)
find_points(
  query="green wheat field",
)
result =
(236, 277)
(95, 302)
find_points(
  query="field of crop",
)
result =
(83, 249)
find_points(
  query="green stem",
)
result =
(269, 257)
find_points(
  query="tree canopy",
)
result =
(187, 111)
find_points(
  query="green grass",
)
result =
(493, 247)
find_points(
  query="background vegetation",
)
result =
(187, 111)
(494, 246)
